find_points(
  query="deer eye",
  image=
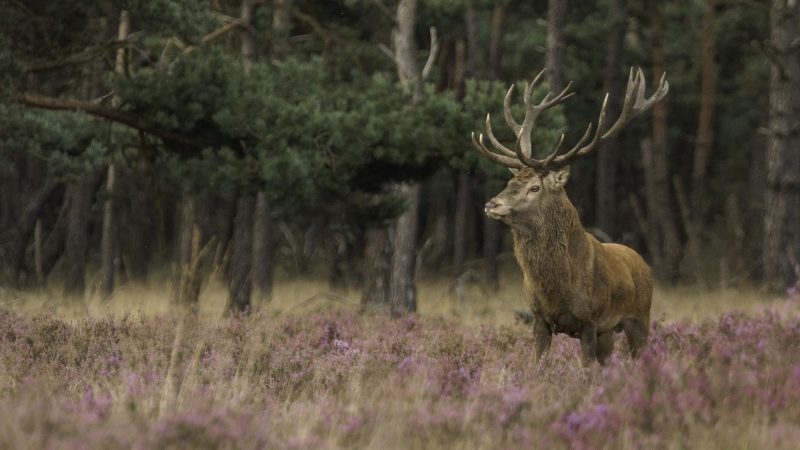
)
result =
(534, 188)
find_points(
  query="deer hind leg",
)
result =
(636, 332)
(605, 345)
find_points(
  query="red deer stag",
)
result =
(575, 284)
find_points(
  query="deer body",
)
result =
(573, 283)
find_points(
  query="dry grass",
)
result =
(469, 302)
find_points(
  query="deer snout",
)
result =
(496, 208)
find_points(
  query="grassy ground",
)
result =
(471, 305)
(722, 370)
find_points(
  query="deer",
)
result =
(574, 284)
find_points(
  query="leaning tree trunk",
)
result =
(781, 233)
(16, 239)
(556, 16)
(608, 156)
(402, 283)
(53, 246)
(108, 242)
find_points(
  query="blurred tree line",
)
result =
(237, 138)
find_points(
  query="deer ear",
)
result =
(560, 178)
(513, 171)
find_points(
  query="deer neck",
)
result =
(550, 244)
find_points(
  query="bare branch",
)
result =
(426, 70)
(387, 51)
(218, 33)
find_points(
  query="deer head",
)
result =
(538, 183)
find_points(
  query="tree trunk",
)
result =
(377, 266)
(242, 254)
(405, 48)
(240, 287)
(660, 207)
(467, 59)
(188, 248)
(491, 227)
(402, 285)
(137, 231)
(280, 28)
(608, 156)
(53, 246)
(495, 41)
(460, 223)
(263, 256)
(705, 123)
(108, 253)
(80, 194)
(556, 16)
(781, 233)
(108, 242)
(17, 238)
(473, 53)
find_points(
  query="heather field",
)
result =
(722, 370)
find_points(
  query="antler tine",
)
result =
(507, 112)
(635, 100)
(560, 98)
(509, 116)
(529, 87)
(539, 165)
(643, 104)
(499, 159)
(580, 149)
(500, 147)
(532, 112)
(634, 104)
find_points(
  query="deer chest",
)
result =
(559, 316)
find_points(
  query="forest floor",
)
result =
(722, 370)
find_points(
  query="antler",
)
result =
(635, 103)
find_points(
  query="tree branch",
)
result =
(81, 57)
(114, 115)
(326, 34)
(218, 33)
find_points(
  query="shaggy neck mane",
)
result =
(546, 244)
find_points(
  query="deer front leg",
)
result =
(541, 337)
(589, 344)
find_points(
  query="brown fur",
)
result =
(574, 284)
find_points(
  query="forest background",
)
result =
(250, 142)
